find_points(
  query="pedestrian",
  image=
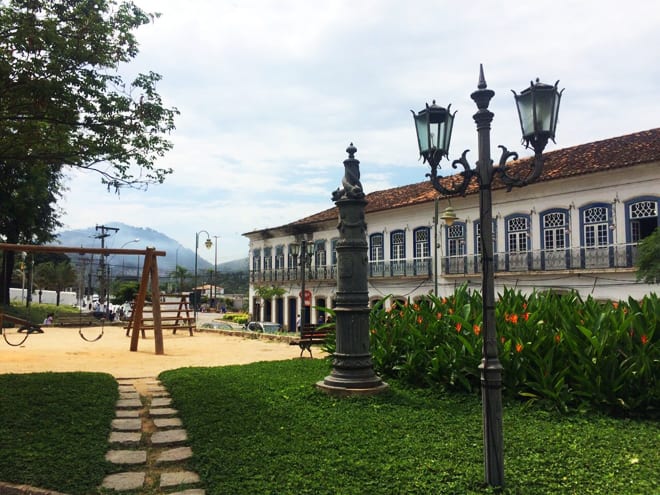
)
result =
(49, 319)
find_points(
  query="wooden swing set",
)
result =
(149, 274)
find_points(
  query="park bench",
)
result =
(310, 335)
(77, 320)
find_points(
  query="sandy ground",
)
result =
(62, 349)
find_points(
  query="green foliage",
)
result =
(268, 292)
(263, 428)
(125, 292)
(648, 258)
(36, 313)
(560, 350)
(240, 318)
(55, 276)
(55, 429)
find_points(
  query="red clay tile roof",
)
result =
(618, 152)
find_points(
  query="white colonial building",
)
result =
(577, 227)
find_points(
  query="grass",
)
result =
(54, 429)
(263, 428)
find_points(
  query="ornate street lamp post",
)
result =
(352, 366)
(208, 243)
(305, 250)
(538, 107)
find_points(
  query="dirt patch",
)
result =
(62, 349)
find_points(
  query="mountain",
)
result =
(125, 237)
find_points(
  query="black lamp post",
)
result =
(305, 250)
(208, 243)
(538, 107)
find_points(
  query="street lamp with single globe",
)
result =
(209, 244)
(538, 108)
(305, 250)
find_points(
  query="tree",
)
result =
(648, 258)
(62, 99)
(63, 104)
(56, 276)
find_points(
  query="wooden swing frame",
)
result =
(149, 273)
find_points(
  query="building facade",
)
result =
(577, 227)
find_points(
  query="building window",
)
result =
(292, 260)
(455, 247)
(643, 219)
(333, 247)
(422, 254)
(555, 240)
(279, 258)
(376, 255)
(596, 226)
(596, 235)
(319, 254)
(398, 249)
(518, 245)
(256, 260)
(268, 259)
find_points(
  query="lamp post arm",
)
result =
(466, 174)
(516, 180)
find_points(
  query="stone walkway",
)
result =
(149, 443)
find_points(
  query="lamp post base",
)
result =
(352, 374)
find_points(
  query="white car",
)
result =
(263, 326)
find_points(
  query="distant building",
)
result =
(577, 227)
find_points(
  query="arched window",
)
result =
(596, 234)
(518, 244)
(398, 248)
(642, 218)
(555, 239)
(478, 245)
(376, 255)
(456, 239)
(422, 251)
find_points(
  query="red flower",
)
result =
(458, 326)
(420, 319)
(524, 305)
(416, 307)
(476, 329)
(558, 338)
(519, 347)
(502, 339)
(645, 339)
(526, 316)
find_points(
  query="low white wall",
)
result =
(47, 296)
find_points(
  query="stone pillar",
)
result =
(352, 367)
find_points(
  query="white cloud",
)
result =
(271, 94)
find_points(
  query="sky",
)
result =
(271, 93)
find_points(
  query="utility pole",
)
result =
(104, 296)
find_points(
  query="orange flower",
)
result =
(458, 326)
(451, 311)
(558, 338)
(416, 307)
(526, 316)
(511, 318)
(444, 300)
(476, 329)
(438, 315)
(502, 339)
(645, 339)
(401, 314)
(615, 305)
(420, 319)
(373, 331)
(524, 306)
(519, 347)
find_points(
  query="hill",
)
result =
(125, 237)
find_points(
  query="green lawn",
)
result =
(54, 429)
(263, 428)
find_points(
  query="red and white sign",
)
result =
(308, 297)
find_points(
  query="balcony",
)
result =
(614, 256)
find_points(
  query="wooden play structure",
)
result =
(149, 279)
(175, 314)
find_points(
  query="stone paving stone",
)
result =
(127, 424)
(124, 438)
(168, 437)
(163, 423)
(127, 413)
(174, 455)
(175, 478)
(163, 411)
(128, 395)
(129, 404)
(161, 402)
(126, 456)
(160, 393)
(192, 491)
(124, 481)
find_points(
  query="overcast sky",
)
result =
(272, 92)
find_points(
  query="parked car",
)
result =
(263, 326)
